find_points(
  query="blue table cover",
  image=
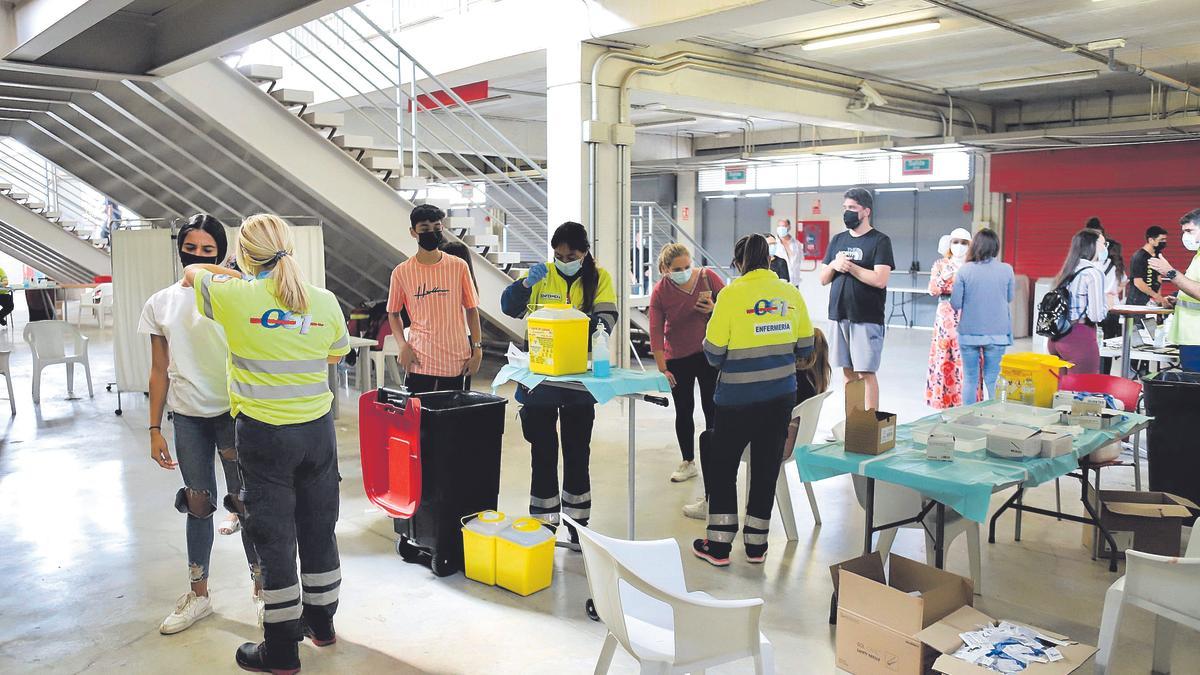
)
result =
(965, 484)
(604, 389)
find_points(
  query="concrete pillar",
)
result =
(597, 197)
(687, 211)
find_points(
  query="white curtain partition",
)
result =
(144, 261)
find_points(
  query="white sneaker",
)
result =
(190, 609)
(685, 471)
(697, 509)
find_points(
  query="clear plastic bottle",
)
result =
(600, 364)
(1001, 388)
(1028, 391)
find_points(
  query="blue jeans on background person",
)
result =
(971, 355)
(199, 441)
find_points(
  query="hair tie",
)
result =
(278, 255)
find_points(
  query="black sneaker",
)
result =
(756, 553)
(712, 552)
(278, 659)
(320, 637)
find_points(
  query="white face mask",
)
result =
(782, 231)
(682, 276)
(1102, 254)
(569, 269)
(958, 250)
(1190, 241)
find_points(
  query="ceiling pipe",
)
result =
(1109, 59)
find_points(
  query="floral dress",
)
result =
(943, 384)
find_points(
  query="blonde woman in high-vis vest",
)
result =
(282, 333)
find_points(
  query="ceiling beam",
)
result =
(42, 26)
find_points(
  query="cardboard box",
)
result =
(1019, 413)
(1150, 522)
(868, 432)
(1055, 443)
(1102, 421)
(1009, 441)
(943, 638)
(940, 447)
(878, 619)
(1088, 406)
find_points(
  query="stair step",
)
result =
(443, 204)
(503, 258)
(517, 272)
(492, 240)
(261, 72)
(18, 196)
(293, 97)
(35, 205)
(408, 182)
(5, 187)
(50, 215)
(352, 141)
(324, 120)
(459, 222)
(381, 163)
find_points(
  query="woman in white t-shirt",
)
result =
(188, 374)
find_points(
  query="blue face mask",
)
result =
(1102, 254)
(682, 276)
(568, 269)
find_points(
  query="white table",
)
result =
(363, 345)
(902, 295)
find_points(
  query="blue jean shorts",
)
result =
(858, 346)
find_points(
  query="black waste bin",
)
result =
(1173, 399)
(461, 437)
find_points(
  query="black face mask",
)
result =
(851, 219)
(1158, 248)
(193, 259)
(429, 240)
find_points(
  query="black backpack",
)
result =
(1054, 312)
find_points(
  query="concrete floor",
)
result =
(93, 555)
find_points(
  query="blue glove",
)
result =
(536, 274)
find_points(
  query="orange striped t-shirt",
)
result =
(435, 297)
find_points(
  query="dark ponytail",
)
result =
(574, 235)
(751, 252)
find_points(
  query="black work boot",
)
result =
(277, 658)
(321, 635)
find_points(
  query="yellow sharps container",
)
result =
(525, 556)
(479, 545)
(1042, 369)
(558, 340)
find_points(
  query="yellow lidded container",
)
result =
(558, 340)
(1041, 368)
(479, 545)
(525, 556)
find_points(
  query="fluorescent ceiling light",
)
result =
(947, 187)
(1040, 79)
(757, 194)
(898, 189)
(666, 123)
(872, 34)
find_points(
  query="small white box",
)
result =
(1019, 413)
(940, 447)
(1101, 421)
(1009, 441)
(1055, 443)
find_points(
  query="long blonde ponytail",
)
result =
(265, 242)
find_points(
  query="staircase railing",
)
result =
(437, 135)
(651, 227)
(60, 191)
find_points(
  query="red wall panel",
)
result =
(1132, 167)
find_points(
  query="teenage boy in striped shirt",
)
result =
(437, 292)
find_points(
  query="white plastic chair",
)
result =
(4, 368)
(896, 502)
(49, 342)
(640, 594)
(101, 305)
(1165, 586)
(803, 428)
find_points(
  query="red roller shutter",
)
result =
(1039, 226)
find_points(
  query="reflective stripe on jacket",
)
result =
(1185, 329)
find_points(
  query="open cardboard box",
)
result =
(879, 617)
(1150, 522)
(868, 432)
(942, 636)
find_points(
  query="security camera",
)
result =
(872, 96)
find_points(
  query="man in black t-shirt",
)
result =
(1144, 281)
(857, 266)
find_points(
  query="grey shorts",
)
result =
(858, 346)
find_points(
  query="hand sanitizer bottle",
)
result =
(600, 365)
(1001, 388)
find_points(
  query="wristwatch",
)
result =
(1170, 276)
(477, 345)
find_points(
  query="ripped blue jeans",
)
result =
(199, 442)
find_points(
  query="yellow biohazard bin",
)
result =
(558, 340)
(1042, 369)
(479, 545)
(525, 556)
